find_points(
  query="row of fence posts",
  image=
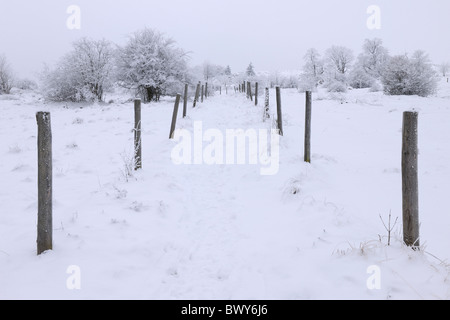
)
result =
(410, 195)
(410, 188)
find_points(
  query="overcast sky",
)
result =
(273, 34)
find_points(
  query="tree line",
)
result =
(151, 64)
(373, 68)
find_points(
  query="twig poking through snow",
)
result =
(389, 228)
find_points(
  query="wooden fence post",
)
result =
(203, 92)
(137, 135)
(266, 114)
(174, 116)
(206, 90)
(410, 184)
(186, 87)
(197, 92)
(279, 113)
(308, 113)
(256, 93)
(45, 183)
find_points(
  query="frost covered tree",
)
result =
(250, 72)
(227, 71)
(26, 84)
(444, 68)
(313, 70)
(211, 71)
(370, 64)
(6, 76)
(359, 78)
(151, 65)
(338, 61)
(81, 75)
(374, 57)
(410, 76)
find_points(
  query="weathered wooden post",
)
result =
(244, 88)
(250, 95)
(45, 183)
(279, 113)
(266, 114)
(137, 135)
(174, 116)
(256, 93)
(206, 90)
(203, 91)
(410, 184)
(186, 87)
(197, 92)
(308, 113)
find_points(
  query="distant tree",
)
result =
(211, 71)
(228, 71)
(81, 75)
(359, 78)
(313, 70)
(26, 84)
(6, 76)
(444, 68)
(207, 71)
(370, 64)
(274, 79)
(410, 76)
(250, 72)
(338, 61)
(374, 57)
(151, 65)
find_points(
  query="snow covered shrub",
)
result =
(376, 86)
(81, 75)
(336, 86)
(6, 76)
(359, 78)
(26, 84)
(410, 76)
(151, 65)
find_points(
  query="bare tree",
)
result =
(6, 76)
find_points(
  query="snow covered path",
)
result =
(218, 231)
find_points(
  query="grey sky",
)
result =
(273, 34)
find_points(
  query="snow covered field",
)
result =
(312, 231)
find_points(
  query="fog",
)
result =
(273, 35)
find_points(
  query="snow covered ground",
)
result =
(312, 231)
